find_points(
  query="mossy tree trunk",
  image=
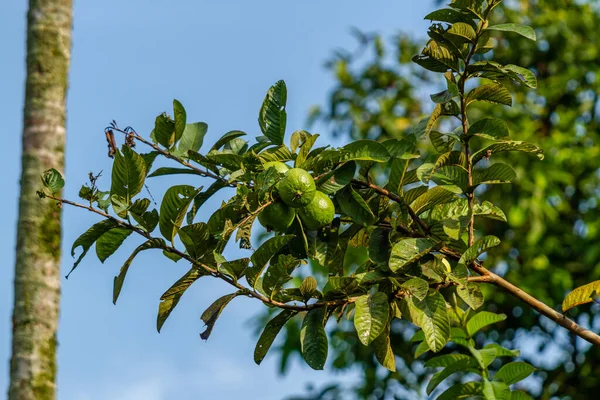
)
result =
(37, 270)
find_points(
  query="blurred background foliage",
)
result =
(550, 243)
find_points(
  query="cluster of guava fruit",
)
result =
(297, 193)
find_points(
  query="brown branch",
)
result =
(392, 196)
(542, 308)
(168, 155)
(534, 303)
(214, 272)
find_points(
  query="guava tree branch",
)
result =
(394, 197)
(488, 276)
(212, 271)
(136, 136)
(528, 299)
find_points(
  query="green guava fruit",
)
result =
(279, 166)
(277, 216)
(297, 188)
(318, 213)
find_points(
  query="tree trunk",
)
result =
(37, 269)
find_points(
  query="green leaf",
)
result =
(453, 178)
(434, 320)
(445, 360)
(519, 395)
(495, 390)
(481, 320)
(119, 279)
(463, 30)
(431, 198)
(437, 57)
(383, 350)
(502, 351)
(442, 97)
(460, 365)
(416, 287)
(272, 116)
(435, 115)
(298, 138)
(191, 139)
(226, 158)
(488, 210)
(313, 339)
(171, 297)
(53, 180)
(491, 93)
(581, 295)
(489, 128)
(263, 254)
(128, 174)
(508, 145)
(211, 314)
(173, 208)
(421, 349)
(305, 150)
(353, 205)
(366, 150)
(235, 268)
(471, 294)
(495, 173)
(164, 130)
(279, 153)
(173, 171)
(521, 75)
(514, 372)
(110, 241)
(148, 220)
(479, 247)
(379, 246)
(89, 237)
(447, 15)
(461, 391)
(441, 141)
(523, 30)
(371, 317)
(278, 273)
(180, 119)
(410, 250)
(201, 198)
(342, 284)
(196, 238)
(270, 333)
(226, 138)
(337, 179)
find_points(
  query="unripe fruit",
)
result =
(278, 165)
(318, 213)
(297, 188)
(277, 216)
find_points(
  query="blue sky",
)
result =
(130, 59)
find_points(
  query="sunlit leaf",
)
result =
(371, 317)
(481, 320)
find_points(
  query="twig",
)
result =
(214, 272)
(534, 303)
(165, 153)
(422, 225)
